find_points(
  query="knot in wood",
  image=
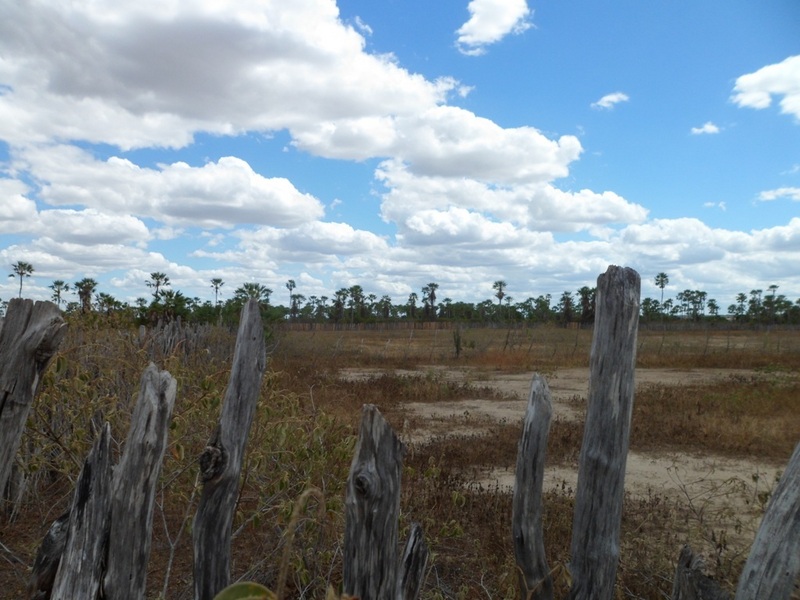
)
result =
(212, 462)
(364, 484)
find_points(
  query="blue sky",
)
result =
(390, 144)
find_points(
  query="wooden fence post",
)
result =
(412, 565)
(29, 337)
(691, 583)
(80, 572)
(601, 469)
(535, 581)
(372, 505)
(221, 461)
(773, 565)
(134, 488)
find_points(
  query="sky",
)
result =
(394, 143)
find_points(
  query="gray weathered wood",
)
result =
(80, 573)
(535, 580)
(134, 489)
(372, 506)
(221, 462)
(691, 583)
(412, 565)
(773, 566)
(29, 338)
(43, 573)
(601, 468)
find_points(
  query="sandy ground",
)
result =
(704, 484)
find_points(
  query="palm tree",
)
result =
(290, 285)
(107, 303)
(253, 290)
(216, 283)
(412, 305)
(587, 299)
(499, 286)
(173, 304)
(58, 287)
(295, 301)
(85, 288)
(429, 298)
(22, 270)
(662, 280)
(157, 281)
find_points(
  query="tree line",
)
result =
(355, 305)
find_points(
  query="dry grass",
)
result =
(304, 435)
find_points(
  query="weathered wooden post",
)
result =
(29, 338)
(372, 506)
(773, 565)
(221, 462)
(691, 583)
(601, 468)
(372, 569)
(535, 581)
(134, 487)
(80, 572)
(412, 565)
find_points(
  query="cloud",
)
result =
(217, 194)
(18, 213)
(792, 193)
(720, 205)
(538, 207)
(707, 127)
(755, 90)
(610, 100)
(149, 75)
(489, 22)
(450, 142)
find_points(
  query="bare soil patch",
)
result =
(732, 491)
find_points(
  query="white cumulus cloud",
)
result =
(707, 127)
(489, 22)
(792, 193)
(609, 101)
(755, 90)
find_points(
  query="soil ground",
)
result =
(731, 489)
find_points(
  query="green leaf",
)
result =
(246, 590)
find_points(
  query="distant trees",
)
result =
(157, 281)
(429, 299)
(499, 286)
(21, 269)
(59, 288)
(252, 290)
(353, 305)
(662, 280)
(216, 284)
(85, 288)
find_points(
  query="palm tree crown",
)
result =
(22, 270)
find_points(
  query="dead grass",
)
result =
(755, 416)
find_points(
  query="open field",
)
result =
(715, 417)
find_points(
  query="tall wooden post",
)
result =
(772, 569)
(372, 506)
(80, 573)
(221, 462)
(29, 338)
(134, 487)
(535, 581)
(601, 469)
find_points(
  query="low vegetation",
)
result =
(304, 434)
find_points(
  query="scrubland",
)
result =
(304, 435)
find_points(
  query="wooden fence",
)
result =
(100, 548)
